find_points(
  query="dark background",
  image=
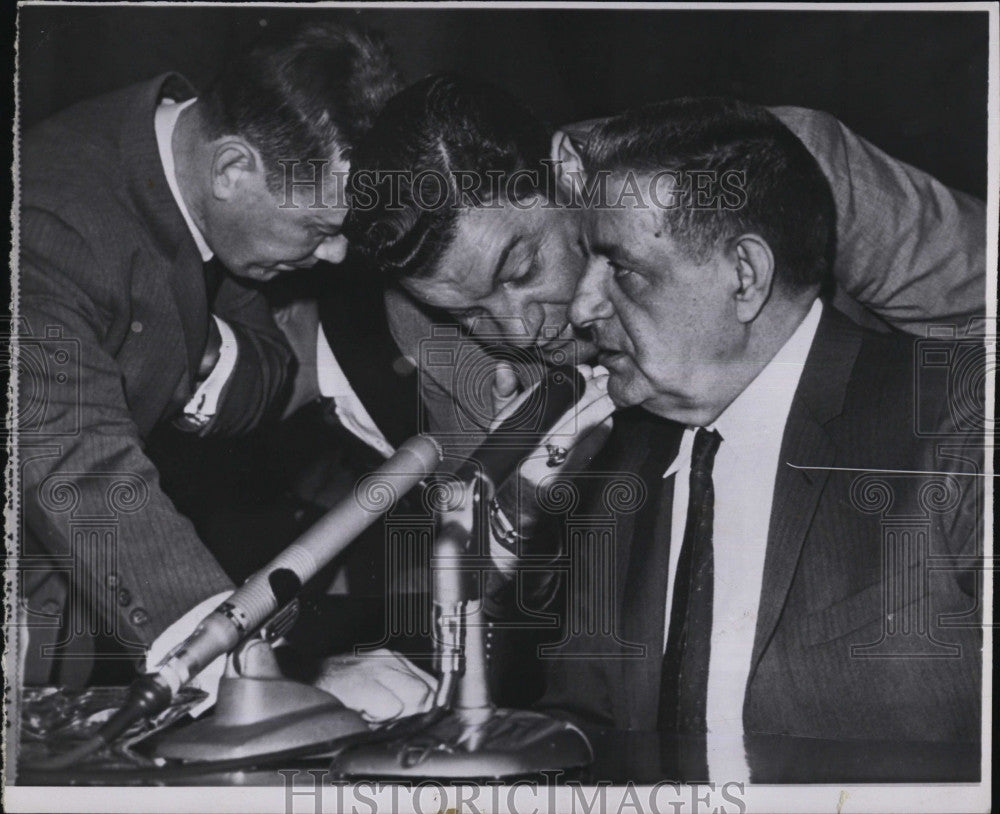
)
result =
(914, 83)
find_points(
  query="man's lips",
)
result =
(609, 356)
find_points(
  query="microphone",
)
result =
(506, 446)
(272, 587)
(276, 584)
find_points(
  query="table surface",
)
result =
(54, 720)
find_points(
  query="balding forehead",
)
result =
(627, 209)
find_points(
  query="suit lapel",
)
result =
(147, 184)
(807, 453)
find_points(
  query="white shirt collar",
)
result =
(165, 121)
(756, 418)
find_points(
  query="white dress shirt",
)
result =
(204, 403)
(743, 476)
(351, 412)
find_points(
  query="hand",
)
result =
(506, 390)
(208, 679)
(381, 685)
(576, 437)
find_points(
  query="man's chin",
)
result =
(620, 393)
(257, 273)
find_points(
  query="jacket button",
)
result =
(111, 580)
(50, 607)
(403, 366)
(138, 616)
(124, 597)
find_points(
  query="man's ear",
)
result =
(754, 275)
(568, 164)
(234, 162)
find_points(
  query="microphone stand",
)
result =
(475, 739)
(258, 710)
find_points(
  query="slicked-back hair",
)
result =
(472, 140)
(308, 94)
(787, 199)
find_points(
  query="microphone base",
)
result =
(271, 715)
(258, 712)
(506, 744)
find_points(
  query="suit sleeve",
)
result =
(577, 684)
(908, 247)
(261, 382)
(89, 495)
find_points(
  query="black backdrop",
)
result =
(914, 83)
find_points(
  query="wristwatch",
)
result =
(501, 527)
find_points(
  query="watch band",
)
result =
(501, 527)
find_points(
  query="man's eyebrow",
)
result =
(613, 252)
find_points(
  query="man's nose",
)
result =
(590, 302)
(332, 250)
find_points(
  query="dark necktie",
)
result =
(684, 682)
(214, 274)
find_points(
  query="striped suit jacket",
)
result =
(113, 323)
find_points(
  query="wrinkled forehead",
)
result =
(626, 203)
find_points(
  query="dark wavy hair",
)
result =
(442, 144)
(308, 93)
(787, 199)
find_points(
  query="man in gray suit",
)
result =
(806, 562)
(148, 219)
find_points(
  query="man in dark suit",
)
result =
(446, 121)
(148, 219)
(805, 563)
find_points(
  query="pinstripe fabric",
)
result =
(110, 274)
(826, 575)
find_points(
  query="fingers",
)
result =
(581, 435)
(208, 681)
(506, 393)
(408, 690)
(382, 686)
(593, 407)
(504, 381)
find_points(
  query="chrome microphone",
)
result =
(278, 582)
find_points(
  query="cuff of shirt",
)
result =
(203, 406)
(505, 560)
